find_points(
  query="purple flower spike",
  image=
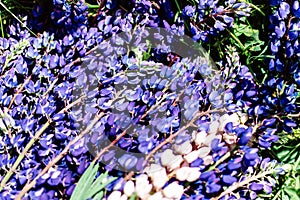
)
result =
(128, 161)
(296, 8)
(213, 188)
(284, 10)
(228, 179)
(256, 186)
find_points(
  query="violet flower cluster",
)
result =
(280, 89)
(216, 156)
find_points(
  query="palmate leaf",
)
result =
(292, 193)
(87, 188)
(252, 43)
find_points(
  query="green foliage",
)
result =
(288, 152)
(252, 48)
(133, 197)
(248, 35)
(252, 42)
(8, 8)
(290, 188)
(88, 188)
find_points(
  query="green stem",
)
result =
(225, 157)
(244, 49)
(294, 115)
(296, 164)
(52, 163)
(29, 145)
(4, 6)
(276, 195)
(1, 25)
(178, 6)
(22, 155)
(90, 6)
(18, 91)
(179, 12)
(36, 136)
(243, 183)
(174, 135)
(236, 39)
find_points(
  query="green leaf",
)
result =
(133, 196)
(283, 154)
(88, 188)
(98, 185)
(98, 196)
(252, 43)
(292, 193)
(238, 29)
(288, 154)
(297, 183)
(284, 196)
(85, 182)
(99, 180)
(248, 31)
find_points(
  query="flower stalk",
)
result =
(31, 142)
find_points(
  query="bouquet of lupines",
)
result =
(123, 105)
